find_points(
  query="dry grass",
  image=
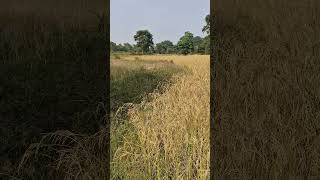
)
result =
(67, 155)
(267, 101)
(52, 77)
(40, 15)
(169, 135)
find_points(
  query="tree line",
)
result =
(187, 44)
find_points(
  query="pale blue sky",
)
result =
(165, 19)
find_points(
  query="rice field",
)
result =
(167, 136)
(52, 78)
(267, 90)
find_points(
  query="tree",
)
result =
(185, 44)
(144, 40)
(113, 46)
(206, 28)
(165, 47)
(152, 49)
(121, 48)
(206, 44)
(198, 45)
(127, 47)
(136, 49)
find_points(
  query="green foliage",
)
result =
(113, 46)
(198, 45)
(185, 44)
(165, 47)
(206, 28)
(126, 47)
(206, 44)
(144, 40)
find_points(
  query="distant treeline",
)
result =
(188, 43)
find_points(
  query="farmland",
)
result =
(166, 135)
(267, 90)
(52, 78)
(53, 98)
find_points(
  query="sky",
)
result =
(165, 19)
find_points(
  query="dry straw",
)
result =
(267, 121)
(170, 137)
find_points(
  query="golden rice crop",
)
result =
(267, 89)
(170, 136)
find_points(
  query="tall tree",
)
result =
(144, 40)
(185, 44)
(206, 28)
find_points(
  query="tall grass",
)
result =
(52, 77)
(168, 137)
(68, 155)
(267, 89)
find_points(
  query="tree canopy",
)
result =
(165, 47)
(206, 28)
(198, 45)
(144, 40)
(187, 44)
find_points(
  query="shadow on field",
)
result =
(49, 81)
(132, 81)
(266, 124)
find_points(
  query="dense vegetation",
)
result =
(166, 134)
(267, 90)
(52, 77)
(188, 43)
(53, 88)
